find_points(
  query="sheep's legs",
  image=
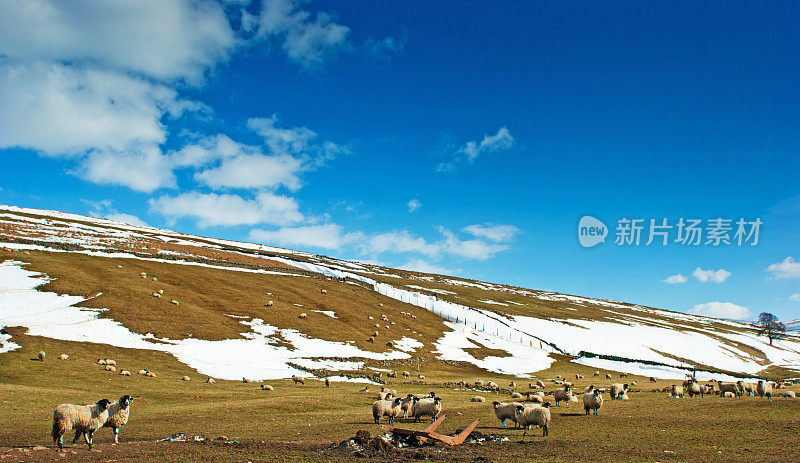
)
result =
(87, 436)
(77, 435)
(116, 436)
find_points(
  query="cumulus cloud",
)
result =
(253, 171)
(469, 249)
(398, 241)
(785, 269)
(419, 265)
(175, 40)
(715, 276)
(325, 236)
(502, 140)
(211, 209)
(726, 310)
(413, 205)
(492, 232)
(675, 279)
(295, 141)
(795, 297)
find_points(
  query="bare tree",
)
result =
(769, 326)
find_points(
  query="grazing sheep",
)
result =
(676, 391)
(327, 382)
(536, 398)
(733, 388)
(421, 376)
(748, 388)
(564, 395)
(150, 374)
(789, 394)
(143, 275)
(539, 383)
(111, 368)
(478, 383)
(693, 388)
(41, 355)
(111, 362)
(385, 395)
(406, 374)
(478, 398)
(512, 384)
(156, 294)
(269, 303)
(124, 373)
(729, 394)
(266, 387)
(764, 389)
(210, 380)
(118, 414)
(618, 390)
(364, 389)
(596, 373)
(323, 291)
(186, 378)
(244, 380)
(426, 407)
(652, 379)
(623, 375)
(101, 361)
(389, 408)
(371, 340)
(63, 357)
(608, 375)
(593, 401)
(84, 418)
(174, 302)
(302, 316)
(298, 380)
(517, 395)
(391, 374)
(391, 391)
(588, 388)
(533, 416)
(506, 411)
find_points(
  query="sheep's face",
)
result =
(495, 404)
(103, 404)
(520, 409)
(125, 400)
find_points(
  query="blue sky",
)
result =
(457, 137)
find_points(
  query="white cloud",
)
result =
(295, 141)
(253, 171)
(174, 40)
(308, 39)
(213, 209)
(419, 265)
(413, 205)
(502, 140)
(469, 249)
(492, 232)
(785, 269)
(325, 236)
(126, 218)
(716, 276)
(144, 170)
(398, 241)
(721, 310)
(795, 297)
(675, 279)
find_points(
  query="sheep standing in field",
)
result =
(101, 361)
(618, 390)
(266, 387)
(124, 373)
(210, 380)
(589, 388)
(118, 414)
(652, 379)
(608, 376)
(748, 388)
(298, 380)
(327, 382)
(506, 411)
(478, 398)
(693, 388)
(406, 374)
(426, 407)
(186, 378)
(63, 357)
(478, 384)
(593, 401)
(539, 383)
(596, 373)
(789, 394)
(564, 395)
(111, 368)
(150, 374)
(385, 395)
(533, 416)
(83, 418)
(676, 391)
(389, 408)
(517, 395)
(406, 403)
(40, 356)
(111, 362)
(536, 397)
(764, 389)
(733, 388)
(391, 391)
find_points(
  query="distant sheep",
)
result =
(150, 374)
(385, 395)
(478, 398)
(592, 401)
(269, 303)
(588, 388)
(536, 398)
(210, 380)
(406, 374)
(512, 384)
(733, 388)
(298, 380)
(323, 291)
(506, 411)
(124, 373)
(596, 373)
(244, 380)
(391, 374)
(389, 408)
(110, 362)
(111, 368)
(174, 302)
(789, 394)
(327, 382)
(617, 390)
(421, 376)
(764, 389)
(426, 407)
(266, 387)
(101, 361)
(652, 379)
(539, 383)
(41, 355)
(517, 395)
(676, 391)
(693, 388)
(63, 357)
(302, 316)
(748, 388)
(478, 384)
(364, 389)
(83, 418)
(533, 416)
(608, 376)
(186, 378)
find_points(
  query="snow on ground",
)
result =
(408, 344)
(489, 301)
(433, 290)
(260, 355)
(329, 313)
(6, 345)
(656, 371)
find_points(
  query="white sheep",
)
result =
(676, 391)
(124, 373)
(118, 414)
(506, 411)
(517, 395)
(693, 388)
(564, 395)
(111, 362)
(748, 388)
(210, 380)
(40, 356)
(101, 361)
(385, 395)
(406, 374)
(84, 418)
(186, 378)
(388, 408)
(298, 380)
(789, 394)
(537, 397)
(426, 407)
(596, 373)
(733, 388)
(539, 383)
(478, 398)
(150, 374)
(538, 415)
(302, 316)
(764, 389)
(63, 357)
(608, 376)
(327, 382)
(617, 390)
(267, 387)
(111, 368)
(593, 401)
(728, 394)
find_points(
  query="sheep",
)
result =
(391, 391)
(652, 379)
(269, 303)
(733, 388)
(63, 357)
(41, 355)
(406, 374)
(186, 378)
(156, 294)
(143, 275)
(327, 382)
(693, 388)
(729, 394)
(371, 340)
(110, 362)
(421, 376)
(406, 403)
(516, 395)
(389, 408)
(764, 389)
(536, 416)
(84, 418)
(618, 390)
(608, 375)
(174, 302)
(298, 380)
(539, 383)
(749, 388)
(124, 373)
(676, 391)
(512, 384)
(426, 407)
(385, 395)
(623, 375)
(478, 398)
(323, 291)
(588, 388)
(150, 374)
(244, 380)
(364, 389)
(706, 389)
(302, 316)
(391, 374)
(478, 384)
(536, 398)
(593, 401)
(111, 368)
(266, 387)
(596, 373)
(118, 414)
(506, 411)
(210, 380)
(789, 394)
(101, 361)
(563, 395)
